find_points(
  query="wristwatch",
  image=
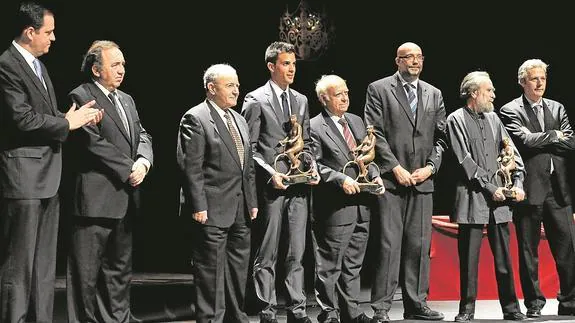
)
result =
(432, 168)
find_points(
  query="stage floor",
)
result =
(167, 297)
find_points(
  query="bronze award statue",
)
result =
(297, 164)
(358, 168)
(506, 161)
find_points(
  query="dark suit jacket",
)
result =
(31, 131)
(213, 177)
(264, 116)
(331, 152)
(400, 138)
(104, 154)
(538, 147)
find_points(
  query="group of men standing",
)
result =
(231, 184)
(412, 134)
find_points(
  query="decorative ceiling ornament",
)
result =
(311, 33)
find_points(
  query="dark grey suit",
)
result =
(104, 204)
(548, 196)
(282, 212)
(31, 132)
(214, 181)
(405, 213)
(341, 221)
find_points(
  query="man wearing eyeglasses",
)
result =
(408, 116)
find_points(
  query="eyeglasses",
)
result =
(412, 57)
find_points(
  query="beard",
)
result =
(484, 107)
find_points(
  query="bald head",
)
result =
(405, 48)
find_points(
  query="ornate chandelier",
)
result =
(310, 32)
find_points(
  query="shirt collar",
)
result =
(28, 57)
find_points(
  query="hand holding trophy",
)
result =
(506, 161)
(363, 155)
(297, 164)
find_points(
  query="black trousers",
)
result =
(221, 262)
(469, 244)
(404, 238)
(99, 270)
(560, 233)
(28, 241)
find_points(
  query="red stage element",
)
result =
(444, 275)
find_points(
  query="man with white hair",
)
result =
(476, 135)
(219, 197)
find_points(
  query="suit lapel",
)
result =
(110, 109)
(421, 104)
(401, 97)
(33, 77)
(129, 115)
(549, 121)
(530, 114)
(275, 104)
(223, 131)
(333, 132)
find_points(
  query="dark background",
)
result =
(169, 44)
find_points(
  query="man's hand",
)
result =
(350, 186)
(519, 194)
(315, 175)
(402, 176)
(85, 115)
(138, 174)
(560, 134)
(277, 181)
(254, 213)
(379, 182)
(421, 174)
(498, 195)
(201, 216)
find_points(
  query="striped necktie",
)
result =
(236, 137)
(347, 134)
(411, 97)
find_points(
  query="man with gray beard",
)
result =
(476, 136)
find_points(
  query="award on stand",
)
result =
(297, 164)
(362, 165)
(506, 163)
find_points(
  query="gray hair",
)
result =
(528, 65)
(471, 83)
(325, 82)
(94, 56)
(216, 71)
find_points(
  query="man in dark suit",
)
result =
(544, 137)
(32, 130)
(111, 160)
(478, 138)
(408, 116)
(284, 209)
(341, 217)
(219, 197)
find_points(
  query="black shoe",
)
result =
(534, 312)
(424, 313)
(361, 318)
(464, 317)
(380, 317)
(562, 310)
(514, 316)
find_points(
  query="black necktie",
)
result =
(285, 106)
(113, 97)
(236, 137)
